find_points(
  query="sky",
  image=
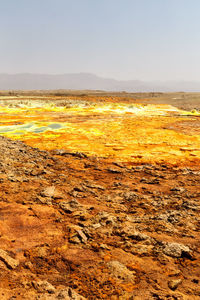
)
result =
(121, 39)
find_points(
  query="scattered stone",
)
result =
(114, 170)
(48, 192)
(118, 164)
(75, 239)
(141, 250)
(10, 262)
(130, 196)
(176, 250)
(69, 294)
(150, 181)
(44, 200)
(105, 218)
(94, 186)
(96, 226)
(37, 171)
(120, 271)
(41, 251)
(79, 189)
(71, 206)
(173, 284)
(60, 152)
(139, 236)
(177, 189)
(44, 286)
(28, 265)
(104, 246)
(82, 236)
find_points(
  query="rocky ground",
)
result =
(76, 227)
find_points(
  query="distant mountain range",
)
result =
(87, 81)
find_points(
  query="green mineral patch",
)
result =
(55, 126)
(29, 127)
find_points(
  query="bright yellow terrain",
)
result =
(125, 132)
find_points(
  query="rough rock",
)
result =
(8, 260)
(69, 294)
(70, 206)
(173, 284)
(120, 271)
(124, 238)
(44, 286)
(48, 192)
(176, 250)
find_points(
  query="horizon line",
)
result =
(98, 76)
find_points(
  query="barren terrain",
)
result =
(99, 195)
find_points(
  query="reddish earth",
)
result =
(78, 226)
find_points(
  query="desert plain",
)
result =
(99, 195)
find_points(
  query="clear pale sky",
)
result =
(122, 39)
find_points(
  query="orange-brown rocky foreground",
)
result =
(75, 225)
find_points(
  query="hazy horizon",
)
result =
(96, 75)
(124, 40)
